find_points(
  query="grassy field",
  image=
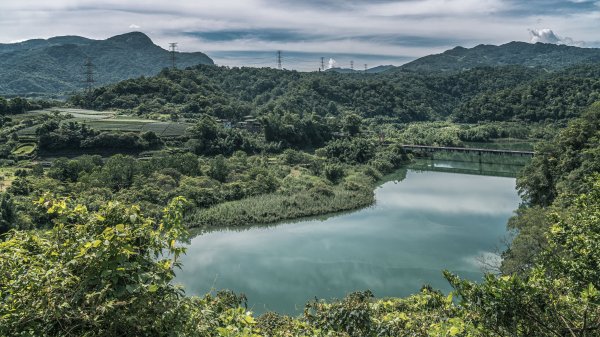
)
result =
(109, 121)
(25, 149)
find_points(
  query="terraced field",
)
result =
(24, 149)
(111, 121)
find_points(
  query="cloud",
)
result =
(397, 29)
(548, 36)
(544, 36)
(332, 64)
(437, 7)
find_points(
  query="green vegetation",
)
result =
(547, 56)
(247, 146)
(106, 121)
(18, 105)
(232, 191)
(561, 169)
(107, 273)
(24, 149)
(293, 200)
(480, 94)
(54, 66)
(7, 176)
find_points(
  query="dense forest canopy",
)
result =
(481, 94)
(19, 105)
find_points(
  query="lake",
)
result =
(425, 219)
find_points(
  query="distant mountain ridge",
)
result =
(374, 70)
(55, 65)
(549, 56)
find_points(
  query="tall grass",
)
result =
(275, 207)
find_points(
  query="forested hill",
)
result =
(56, 65)
(548, 56)
(488, 93)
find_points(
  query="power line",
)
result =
(172, 49)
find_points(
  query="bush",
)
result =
(321, 191)
(334, 172)
(93, 274)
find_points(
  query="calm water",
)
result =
(427, 222)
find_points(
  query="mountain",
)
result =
(374, 70)
(549, 56)
(380, 69)
(55, 65)
(341, 70)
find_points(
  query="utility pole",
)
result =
(365, 67)
(89, 79)
(322, 63)
(279, 60)
(173, 49)
(351, 65)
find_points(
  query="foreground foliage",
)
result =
(109, 273)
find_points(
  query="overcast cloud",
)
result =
(248, 32)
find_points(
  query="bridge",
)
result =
(471, 150)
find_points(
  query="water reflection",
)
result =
(429, 222)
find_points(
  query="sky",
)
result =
(368, 32)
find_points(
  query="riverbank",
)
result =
(421, 223)
(354, 193)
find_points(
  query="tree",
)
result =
(207, 129)
(18, 105)
(219, 170)
(3, 106)
(352, 151)
(560, 296)
(333, 172)
(151, 139)
(352, 123)
(561, 165)
(118, 172)
(7, 213)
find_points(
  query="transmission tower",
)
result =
(351, 65)
(88, 72)
(173, 49)
(279, 60)
(322, 63)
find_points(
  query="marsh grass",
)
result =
(276, 207)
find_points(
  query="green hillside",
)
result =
(549, 56)
(38, 67)
(481, 94)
